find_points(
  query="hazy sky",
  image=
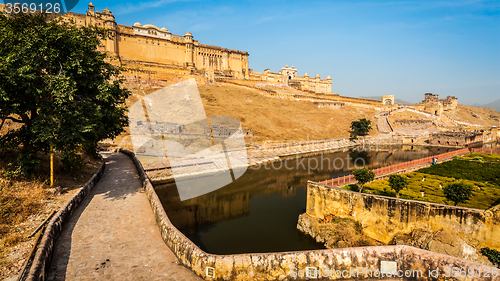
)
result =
(369, 48)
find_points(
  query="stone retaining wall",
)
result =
(43, 257)
(292, 265)
(383, 217)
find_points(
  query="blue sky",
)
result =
(369, 48)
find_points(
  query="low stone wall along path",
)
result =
(113, 235)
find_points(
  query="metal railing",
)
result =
(349, 179)
(482, 150)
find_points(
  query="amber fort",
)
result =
(146, 47)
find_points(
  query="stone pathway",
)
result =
(383, 125)
(113, 235)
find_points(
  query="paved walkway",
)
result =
(113, 235)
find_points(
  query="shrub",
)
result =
(492, 254)
(361, 127)
(363, 176)
(398, 183)
(458, 192)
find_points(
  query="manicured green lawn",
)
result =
(486, 157)
(484, 177)
(470, 170)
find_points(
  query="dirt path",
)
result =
(113, 235)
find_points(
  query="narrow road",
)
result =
(113, 235)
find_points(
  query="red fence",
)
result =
(482, 150)
(341, 181)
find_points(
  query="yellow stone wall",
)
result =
(383, 217)
(174, 50)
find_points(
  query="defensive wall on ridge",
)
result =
(323, 99)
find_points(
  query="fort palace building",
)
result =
(148, 43)
(147, 49)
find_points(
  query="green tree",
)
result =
(363, 176)
(458, 192)
(361, 127)
(398, 183)
(58, 86)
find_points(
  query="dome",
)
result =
(306, 75)
(188, 34)
(164, 30)
(106, 11)
(137, 24)
(150, 26)
(317, 76)
(328, 78)
(91, 5)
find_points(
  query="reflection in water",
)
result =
(258, 212)
(493, 145)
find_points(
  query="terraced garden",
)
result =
(427, 184)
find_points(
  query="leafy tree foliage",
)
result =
(363, 176)
(398, 183)
(458, 192)
(492, 254)
(58, 86)
(361, 127)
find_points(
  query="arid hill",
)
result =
(276, 119)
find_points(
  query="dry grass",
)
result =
(280, 120)
(19, 199)
(25, 203)
(476, 116)
(274, 119)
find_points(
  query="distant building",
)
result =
(288, 76)
(436, 106)
(463, 138)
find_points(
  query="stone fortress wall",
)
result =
(150, 44)
(464, 138)
(384, 217)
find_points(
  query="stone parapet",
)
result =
(293, 265)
